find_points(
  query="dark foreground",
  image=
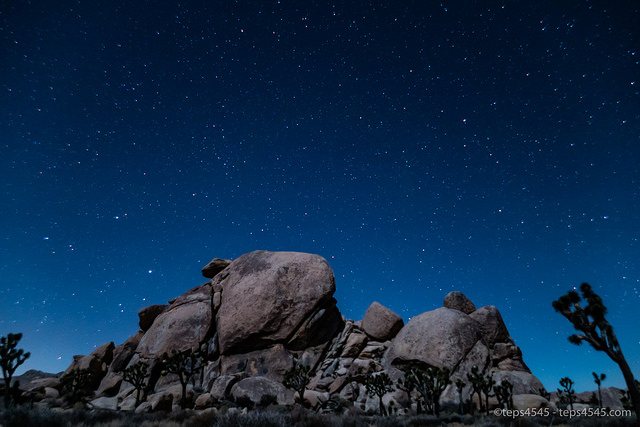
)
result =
(278, 417)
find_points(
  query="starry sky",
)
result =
(490, 147)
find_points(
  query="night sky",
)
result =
(490, 147)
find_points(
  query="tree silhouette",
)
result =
(297, 379)
(430, 382)
(408, 384)
(184, 364)
(598, 380)
(76, 385)
(379, 385)
(10, 359)
(136, 375)
(486, 386)
(594, 328)
(567, 385)
(476, 378)
(504, 394)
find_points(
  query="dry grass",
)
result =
(276, 417)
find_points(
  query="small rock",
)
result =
(110, 403)
(205, 400)
(214, 267)
(458, 301)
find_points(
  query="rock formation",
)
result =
(265, 312)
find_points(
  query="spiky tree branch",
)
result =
(504, 394)
(567, 388)
(10, 359)
(430, 382)
(184, 364)
(476, 378)
(136, 375)
(76, 385)
(379, 385)
(592, 326)
(297, 379)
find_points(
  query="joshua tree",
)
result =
(409, 386)
(184, 364)
(10, 359)
(76, 385)
(136, 375)
(504, 394)
(598, 380)
(430, 382)
(297, 379)
(486, 386)
(594, 328)
(567, 385)
(460, 387)
(477, 379)
(379, 385)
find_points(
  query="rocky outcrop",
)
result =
(265, 312)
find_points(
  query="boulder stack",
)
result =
(264, 313)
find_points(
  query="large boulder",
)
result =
(276, 297)
(380, 323)
(493, 327)
(184, 325)
(441, 338)
(458, 301)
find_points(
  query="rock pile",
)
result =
(266, 312)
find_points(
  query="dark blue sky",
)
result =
(490, 147)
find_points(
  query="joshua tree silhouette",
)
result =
(594, 328)
(430, 382)
(297, 379)
(184, 364)
(567, 385)
(477, 379)
(598, 380)
(10, 359)
(379, 385)
(136, 375)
